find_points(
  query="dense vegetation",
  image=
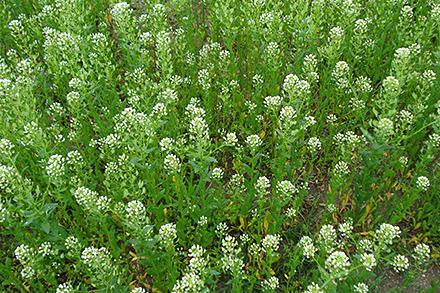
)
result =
(233, 146)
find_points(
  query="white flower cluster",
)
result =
(230, 139)
(172, 164)
(387, 233)
(217, 173)
(132, 123)
(341, 169)
(349, 140)
(64, 288)
(9, 177)
(253, 141)
(346, 228)
(313, 288)
(341, 75)
(198, 128)
(400, 263)
(270, 243)
(391, 86)
(310, 68)
(26, 256)
(314, 144)
(361, 288)
(135, 212)
(72, 245)
(97, 259)
(295, 87)
(204, 79)
(422, 183)
(74, 159)
(221, 229)
(369, 261)
(45, 249)
(121, 12)
(55, 167)
(273, 102)
(327, 234)
(286, 189)
(385, 127)
(421, 253)
(6, 148)
(270, 284)
(337, 262)
(167, 234)
(287, 116)
(308, 247)
(262, 186)
(4, 213)
(166, 144)
(192, 280)
(90, 200)
(231, 260)
(365, 245)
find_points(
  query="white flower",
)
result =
(167, 234)
(198, 128)
(287, 114)
(328, 235)
(291, 213)
(385, 127)
(166, 144)
(45, 249)
(231, 260)
(400, 263)
(253, 141)
(313, 288)
(387, 233)
(6, 148)
(366, 245)
(421, 252)
(271, 243)
(286, 189)
(361, 288)
(341, 168)
(346, 228)
(337, 262)
(72, 245)
(369, 261)
(295, 88)
(85, 197)
(273, 102)
(190, 282)
(221, 228)
(262, 185)
(97, 259)
(172, 163)
(198, 262)
(55, 166)
(203, 221)
(64, 288)
(391, 86)
(138, 290)
(314, 144)
(231, 139)
(422, 183)
(308, 248)
(136, 211)
(271, 284)
(217, 173)
(341, 75)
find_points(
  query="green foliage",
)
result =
(197, 146)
